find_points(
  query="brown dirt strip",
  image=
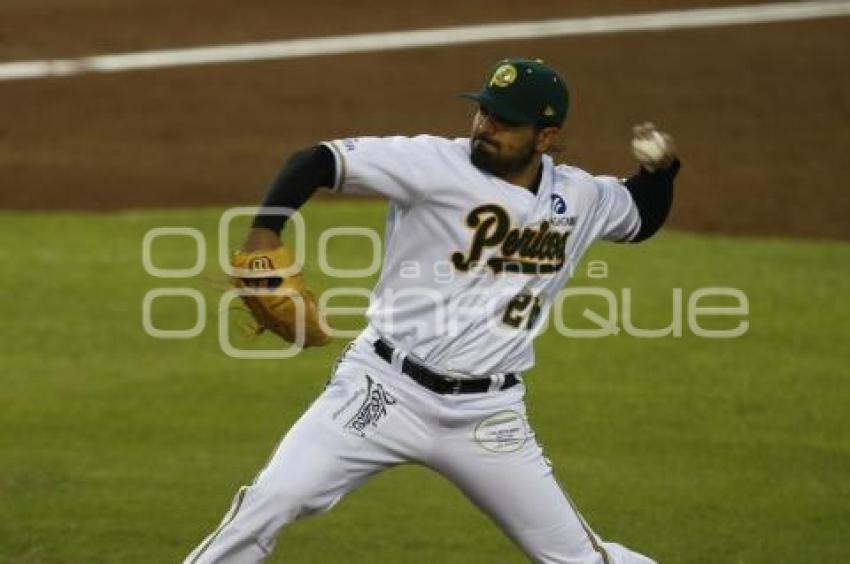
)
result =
(760, 112)
(60, 29)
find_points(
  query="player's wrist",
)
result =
(261, 239)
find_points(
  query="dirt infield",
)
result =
(761, 112)
(58, 28)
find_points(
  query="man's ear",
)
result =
(547, 137)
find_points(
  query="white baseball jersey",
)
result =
(472, 263)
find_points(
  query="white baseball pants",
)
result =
(371, 417)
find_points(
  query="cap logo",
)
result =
(549, 111)
(504, 76)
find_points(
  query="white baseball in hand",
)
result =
(652, 148)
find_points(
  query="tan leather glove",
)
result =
(276, 309)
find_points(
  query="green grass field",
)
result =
(117, 447)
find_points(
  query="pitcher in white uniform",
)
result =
(436, 378)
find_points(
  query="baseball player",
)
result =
(436, 378)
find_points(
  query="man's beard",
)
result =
(497, 164)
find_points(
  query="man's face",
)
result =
(499, 147)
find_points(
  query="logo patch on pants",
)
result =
(373, 408)
(505, 431)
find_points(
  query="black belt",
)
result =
(437, 382)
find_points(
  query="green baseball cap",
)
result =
(524, 91)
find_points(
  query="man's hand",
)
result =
(653, 149)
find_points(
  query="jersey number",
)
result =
(524, 307)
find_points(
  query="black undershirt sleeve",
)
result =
(653, 196)
(301, 176)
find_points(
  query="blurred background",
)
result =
(760, 111)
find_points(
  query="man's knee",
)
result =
(290, 499)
